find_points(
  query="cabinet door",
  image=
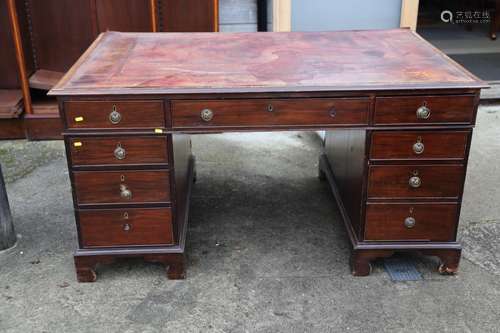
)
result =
(188, 15)
(124, 15)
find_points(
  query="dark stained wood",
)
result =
(402, 110)
(124, 15)
(347, 149)
(95, 114)
(438, 181)
(142, 150)
(271, 112)
(44, 79)
(183, 177)
(393, 145)
(11, 129)
(9, 79)
(263, 62)
(434, 222)
(43, 126)
(188, 15)
(53, 24)
(125, 227)
(104, 187)
(11, 103)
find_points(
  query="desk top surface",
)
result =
(170, 63)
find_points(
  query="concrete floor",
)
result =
(266, 251)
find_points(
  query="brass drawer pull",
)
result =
(115, 117)
(270, 108)
(333, 112)
(127, 227)
(207, 114)
(423, 112)
(415, 181)
(125, 193)
(410, 222)
(120, 152)
(418, 147)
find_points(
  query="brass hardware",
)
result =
(77, 144)
(125, 215)
(418, 147)
(119, 152)
(115, 117)
(125, 193)
(415, 181)
(127, 227)
(122, 178)
(333, 112)
(158, 131)
(270, 108)
(78, 119)
(423, 112)
(206, 114)
(410, 222)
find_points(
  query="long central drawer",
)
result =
(270, 112)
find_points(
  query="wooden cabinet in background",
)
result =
(53, 34)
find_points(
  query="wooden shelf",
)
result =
(44, 79)
(46, 107)
(11, 103)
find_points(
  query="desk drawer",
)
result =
(114, 114)
(125, 227)
(415, 181)
(270, 112)
(424, 110)
(122, 187)
(411, 222)
(118, 150)
(415, 145)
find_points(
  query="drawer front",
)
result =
(121, 187)
(267, 112)
(416, 145)
(411, 222)
(114, 114)
(125, 227)
(415, 181)
(118, 150)
(424, 110)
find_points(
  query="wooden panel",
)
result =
(11, 129)
(95, 114)
(270, 62)
(436, 145)
(61, 30)
(11, 103)
(437, 181)
(188, 15)
(44, 79)
(269, 112)
(444, 109)
(124, 15)
(9, 79)
(433, 222)
(103, 150)
(102, 187)
(125, 227)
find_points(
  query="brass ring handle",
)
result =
(125, 193)
(115, 117)
(206, 114)
(415, 182)
(418, 147)
(120, 152)
(423, 112)
(127, 227)
(410, 222)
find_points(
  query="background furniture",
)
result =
(52, 34)
(397, 167)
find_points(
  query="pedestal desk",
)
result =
(398, 116)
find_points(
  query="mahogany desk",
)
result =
(398, 115)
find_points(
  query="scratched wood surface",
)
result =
(262, 62)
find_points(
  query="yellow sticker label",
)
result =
(78, 119)
(77, 144)
(158, 130)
